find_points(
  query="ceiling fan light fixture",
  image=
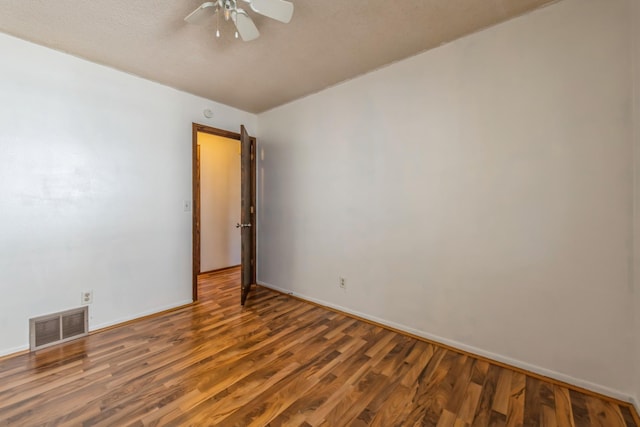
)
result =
(280, 10)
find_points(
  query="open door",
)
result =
(247, 212)
(247, 208)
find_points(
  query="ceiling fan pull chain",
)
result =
(218, 23)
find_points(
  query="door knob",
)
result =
(242, 225)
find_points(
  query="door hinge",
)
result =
(251, 209)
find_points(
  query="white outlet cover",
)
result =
(86, 297)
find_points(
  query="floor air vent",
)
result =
(56, 328)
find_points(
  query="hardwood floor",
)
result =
(279, 361)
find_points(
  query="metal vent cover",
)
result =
(56, 328)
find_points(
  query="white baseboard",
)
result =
(138, 315)
(8, 351)
(469, 349)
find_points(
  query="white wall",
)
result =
(219, 201)
(635, 17)
(94, 167)
(478, 193)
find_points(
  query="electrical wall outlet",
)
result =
(86, 297)
(342, 282)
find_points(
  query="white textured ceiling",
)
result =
(327, 41)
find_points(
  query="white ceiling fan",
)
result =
(280, 10)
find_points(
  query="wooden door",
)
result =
(247, 213)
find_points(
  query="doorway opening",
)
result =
(216, 201)
(219, 160)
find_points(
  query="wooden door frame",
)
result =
(196, 127)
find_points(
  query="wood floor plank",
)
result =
(397, 402)
(483, 414)
(262, 410)
(548, 417)
(503, 393)
(564, 413)
(370, 392)
(431, 396)
(306, 404)
(331, 380)
(469, 403)
(462, 380)
(355, 399)
(447, 419)
(418, 357)
(532, 402)
(497, 419)
(401, 402)
(579, 409)
(515, 415)
(602, 413)
(278, 361)
(627, 415)
(479, 372)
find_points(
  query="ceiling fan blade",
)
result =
(279, 10)
(245, 26)
(202, 13)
